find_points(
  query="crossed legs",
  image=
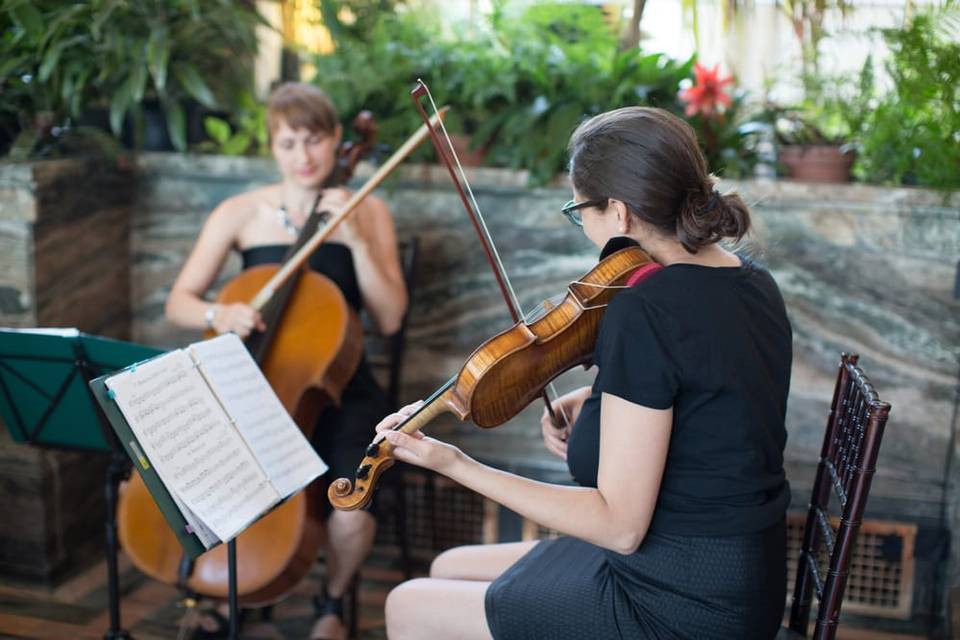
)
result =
(450, 603)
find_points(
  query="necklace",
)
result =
(287, 223)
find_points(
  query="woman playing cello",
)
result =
(360, 257)
(676, 529)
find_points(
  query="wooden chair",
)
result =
(847, 463)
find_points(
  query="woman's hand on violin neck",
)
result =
(416, 448)
(239, 318)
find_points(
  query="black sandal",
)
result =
(222, 630)
(326, 605)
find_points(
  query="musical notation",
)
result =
(280, 447)
(192, 443)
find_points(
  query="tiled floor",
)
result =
(77, 609)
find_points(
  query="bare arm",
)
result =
(616, 515)
(378, 270)
(186, 306)
(372, 238)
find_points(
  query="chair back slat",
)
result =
(398, 342)
(848, 459)
(811, 562)
(838, 484)
(825, 530)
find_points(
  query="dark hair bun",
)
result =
(707, 216)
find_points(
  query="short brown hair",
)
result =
(649, 159)
(301, 106)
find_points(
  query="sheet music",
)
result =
(273, 436)
(191, 443)
(207, 537)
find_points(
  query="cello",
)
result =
(309, 351)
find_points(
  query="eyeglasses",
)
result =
(572, 209)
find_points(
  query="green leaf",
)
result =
(237, 145)
(158, 57)
(119, 104)
(11, 65)
(138, 81)
(53, 54)
(29, 19)
(194, 85)
(104, 11)
(49, 62)
(176, 124)
(217, 128)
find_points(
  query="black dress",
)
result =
(714, 344)
(343, 433)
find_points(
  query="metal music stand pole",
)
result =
(232, 589)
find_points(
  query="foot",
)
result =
(212, 623)
(329, 627)
(329, 624)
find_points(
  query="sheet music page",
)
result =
(197, 452)
(273, 436)
(207, 537)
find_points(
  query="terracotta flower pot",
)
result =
(817, 163)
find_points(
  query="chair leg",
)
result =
(401, 524)
(354, 606)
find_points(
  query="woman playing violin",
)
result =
(360, 257)
(676, 528)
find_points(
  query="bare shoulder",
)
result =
(377, 208)
(234, 213)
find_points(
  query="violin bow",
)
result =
(445, 147)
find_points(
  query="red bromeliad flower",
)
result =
(707, 92)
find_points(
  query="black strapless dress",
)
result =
(343, 432)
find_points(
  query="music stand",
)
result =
(45, 400)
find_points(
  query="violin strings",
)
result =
(483, 223)
(597, 285)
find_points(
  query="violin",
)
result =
(308, 353)
(511, 369)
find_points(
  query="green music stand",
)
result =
(45, 401)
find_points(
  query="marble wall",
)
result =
(64, 262)
(862, 269)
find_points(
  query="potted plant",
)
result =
(817, 140)
(912, 135)
(123, 56)
(569, 67)
(728, 135)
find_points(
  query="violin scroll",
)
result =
(345, 495)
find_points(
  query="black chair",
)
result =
(385, 354)
(847, 463)
(396, 348)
